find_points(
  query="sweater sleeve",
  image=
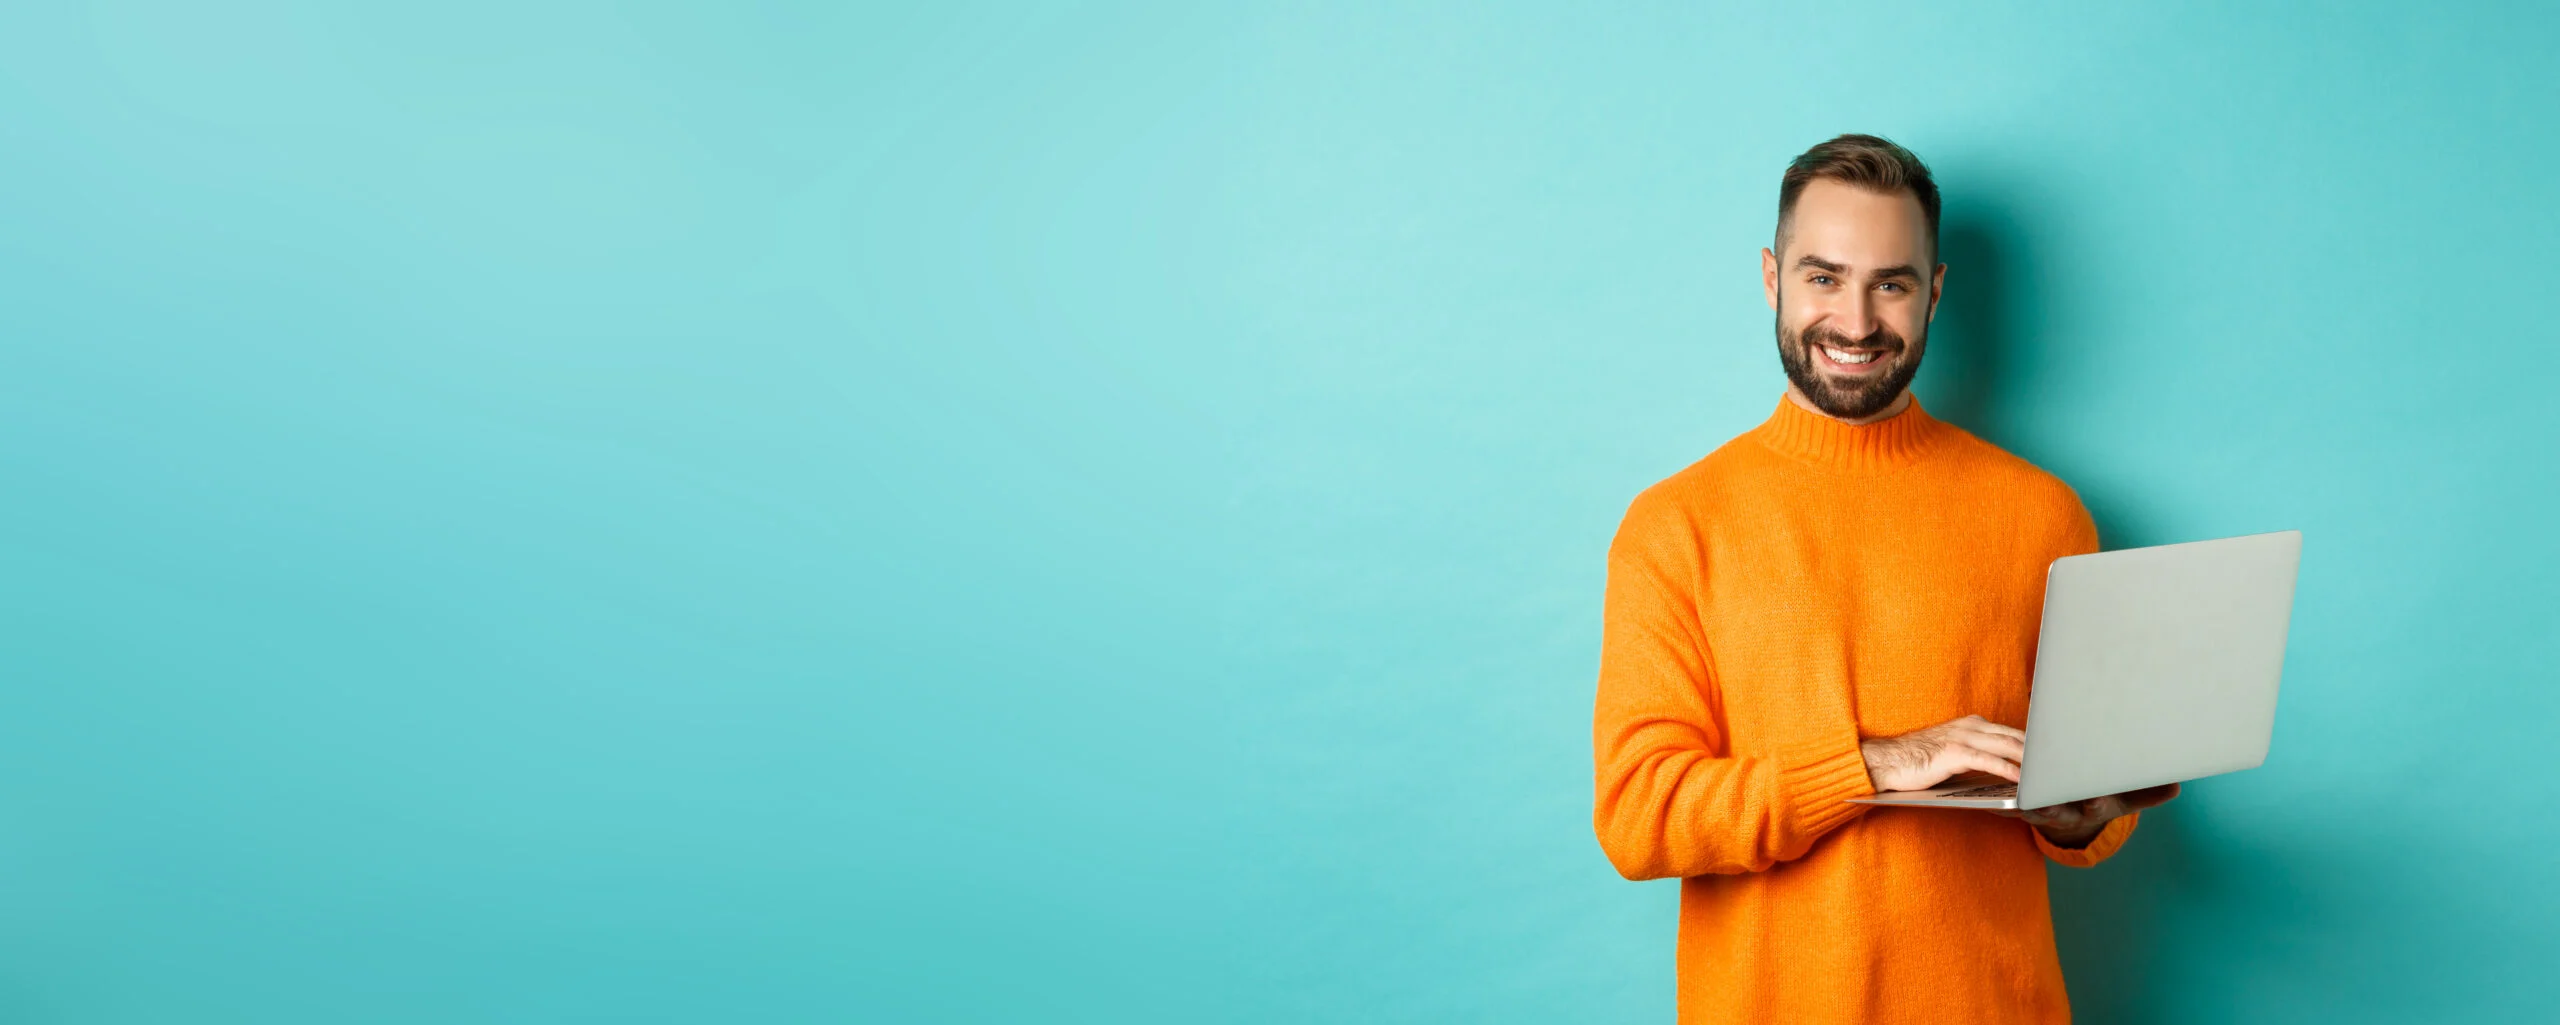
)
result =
(2100, 848)
(1670, 797)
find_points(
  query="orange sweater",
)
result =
(1807, 585)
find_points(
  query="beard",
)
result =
(1850, 399)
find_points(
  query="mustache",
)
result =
(1882, 338)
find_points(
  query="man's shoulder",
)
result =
(1682, 500)
(2019, 479)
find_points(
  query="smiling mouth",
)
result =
(1852, 360)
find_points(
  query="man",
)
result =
(1842, 600)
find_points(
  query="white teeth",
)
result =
(1847, 357)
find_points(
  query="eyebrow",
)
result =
(1899, 270)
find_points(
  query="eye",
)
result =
(1822, 279)
(1895, 285)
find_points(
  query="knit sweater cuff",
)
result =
(1819, 779)
(2100, 847)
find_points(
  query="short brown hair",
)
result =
(1869, 162)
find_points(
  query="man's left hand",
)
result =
(2073, 825)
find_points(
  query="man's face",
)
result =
(1854, 293)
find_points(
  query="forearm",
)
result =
(1665, 811)
(1671, 795)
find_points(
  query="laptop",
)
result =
(2153, 665)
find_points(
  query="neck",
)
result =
(1796, 396)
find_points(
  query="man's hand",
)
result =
(1925, 758)
(2075, 824)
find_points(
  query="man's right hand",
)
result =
(1925, 758)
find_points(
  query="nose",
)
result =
(1854, 316)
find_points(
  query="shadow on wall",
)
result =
(1972, 333)
(2126, 928)
(1969, 376)
(2108, 921)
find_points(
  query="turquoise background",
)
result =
(938, 513)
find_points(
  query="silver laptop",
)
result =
(2154, 665)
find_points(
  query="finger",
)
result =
(2148, 797)
(1971, 746)
(2059, 816)
(1975, 758)
(1988, 726)
(2001, 744)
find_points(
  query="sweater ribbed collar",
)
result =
(1898, 440)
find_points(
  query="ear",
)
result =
(1937, 287)
(1769, 280)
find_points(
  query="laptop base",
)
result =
(1987, 792)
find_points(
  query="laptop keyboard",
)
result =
(1994, 790)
